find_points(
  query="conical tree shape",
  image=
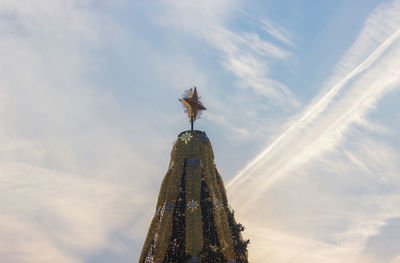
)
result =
(193, 221)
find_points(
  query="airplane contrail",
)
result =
(316, 108)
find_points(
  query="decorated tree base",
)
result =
(193, 221)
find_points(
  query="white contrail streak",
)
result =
(316, 108)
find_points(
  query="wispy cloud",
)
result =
(328, 209)
(277, 31)
(315, 109)
(245, 54)
(312, 136)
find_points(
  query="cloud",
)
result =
(70, 177)
(277, 31)
(49, 215)
(78, 173)
(315, 109)
(326, 210)
(352, 108)
(293, 177)
(381, 24)
(245, 54)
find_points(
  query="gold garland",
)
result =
(171, 194)
(220, 215)
(194, 231)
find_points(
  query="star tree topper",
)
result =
(192, 104)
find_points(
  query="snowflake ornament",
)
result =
(218, 204)
(193, 205)
(186, 137)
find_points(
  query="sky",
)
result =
(303, 114)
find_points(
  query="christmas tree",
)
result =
(193, 221)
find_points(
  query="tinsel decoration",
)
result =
(193, 220)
